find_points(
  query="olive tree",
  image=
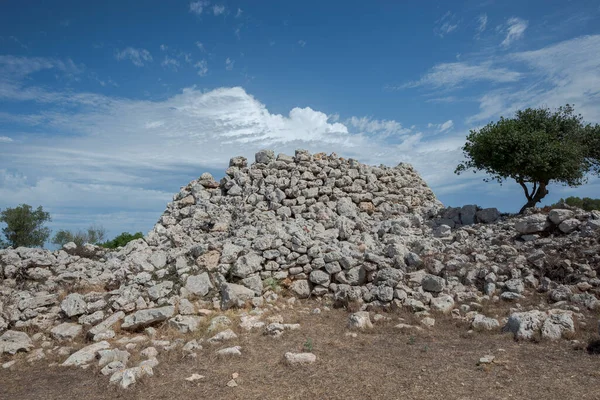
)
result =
(535, 148)
(24, 226)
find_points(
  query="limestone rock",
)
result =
(360, 320)
(144, 318)
(85, 355)
(13, 341)
(300, 358)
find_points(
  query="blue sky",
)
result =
(107, 108)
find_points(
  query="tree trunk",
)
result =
(536, 196)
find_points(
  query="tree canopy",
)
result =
(536, 147)
(24, 226)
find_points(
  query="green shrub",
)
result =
(586, 203)
(122, 240)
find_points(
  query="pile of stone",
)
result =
(309, 226)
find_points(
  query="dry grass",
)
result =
(383, 363)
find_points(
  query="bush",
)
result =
(93, 235)
(122, 240)
(586, 203)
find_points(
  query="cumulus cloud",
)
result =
(515, 30)
(137, 56)
(450, 75)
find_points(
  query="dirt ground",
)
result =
(383, 363)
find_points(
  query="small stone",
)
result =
(223, 336)
(194, 377)
(300, 358)
(487, 359)
(360, 320)
(230, 351)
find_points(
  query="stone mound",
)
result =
(307, 226)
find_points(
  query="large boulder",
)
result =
(13, 341)
(85, 355)
(144, 318)
(525, 325)
(73, 305)
(532, 224)
(233, 295)
(199, 285)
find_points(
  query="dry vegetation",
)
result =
(384, 363)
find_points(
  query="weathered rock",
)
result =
(106, 324)
(300, 288)
(443, 303)
(524, 325)
(532, 224)
(13, 341)
(186, 323)
(73, 305)
(85, 355)
(66, 331)
(233, 295)
(143, 318)
(557, 216)
(557, 324)
(482, 323)
(199, 285)
(360, 320)
(432, 283)
(300, 358)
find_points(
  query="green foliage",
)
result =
(273, 284)
(93, 235)
(24, 226)
(537, 147)
(586, 203)
(308, 345)
(122, 240)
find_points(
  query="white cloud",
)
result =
(239, 13)
(229, 64)
(482, 23)
(137, 56)
(159, 143)
(218, 9)
(443, 127)
(200, 46)
(375, 126)
(202, 67)
(5, 139)
(450, 75)
(197, 7)
(565, 72)
(302, 43)
(16, 67)
(445, 25)
(164, 47)
(170, 63)
(515, 30)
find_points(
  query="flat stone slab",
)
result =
(144, 318)
(86, 355)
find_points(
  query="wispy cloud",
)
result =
(229, 64)
(451, 75)
(218, 9)
(202, 67)
(197, 7)
(5, 139)
(375, 126)
(137, 56)
(443, 127)
(200, 46)
(239, 13)
(482, 21)
(445, 25)
(566, 72)
(170, 63)
(164, 47)
(302, 43)
(515, 30)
